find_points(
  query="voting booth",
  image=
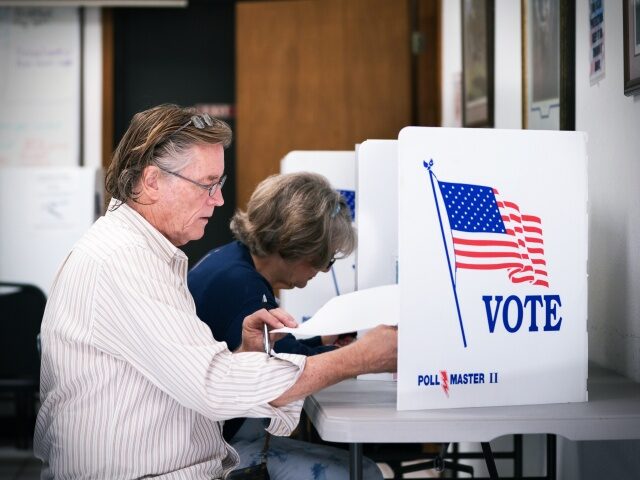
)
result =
(492, 267)
(475, 242)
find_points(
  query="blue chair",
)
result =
(21, 310)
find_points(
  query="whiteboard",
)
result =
(39, 86)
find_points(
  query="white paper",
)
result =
(351, 312)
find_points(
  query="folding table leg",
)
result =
(355, 461)
(517, 456)
(488, 457)
(551, 457)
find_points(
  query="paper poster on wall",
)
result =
(39, 86)
(492, 267)
(339, 168)
(43, 212)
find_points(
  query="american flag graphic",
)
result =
(350, 197)
(492, 234)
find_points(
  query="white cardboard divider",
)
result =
(377, 220)
(492, 267)
(377, 213)
(339, 168)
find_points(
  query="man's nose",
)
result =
(217, 199)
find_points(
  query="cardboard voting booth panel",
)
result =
(339, 168)
(492, 267)
(377, 213)
(377, 220)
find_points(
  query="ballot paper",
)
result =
(352, 312)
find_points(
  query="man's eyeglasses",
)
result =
(331, 262)
(212, 189)
(200, 121)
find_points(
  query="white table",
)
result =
(357, 411)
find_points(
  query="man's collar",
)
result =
(135, 220)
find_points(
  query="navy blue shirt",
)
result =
(227, 287)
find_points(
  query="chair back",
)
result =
(21, 311)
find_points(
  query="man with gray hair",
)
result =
(133, 384)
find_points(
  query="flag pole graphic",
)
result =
(335, 281)
(446, 249)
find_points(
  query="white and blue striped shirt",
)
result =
(133, 384)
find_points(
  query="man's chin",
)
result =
(195, 236)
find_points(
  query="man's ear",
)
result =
(149, 182)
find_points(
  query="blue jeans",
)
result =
(290, 459)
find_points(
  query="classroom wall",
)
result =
(612, 122)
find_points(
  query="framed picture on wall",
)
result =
(631, 21)
(477, 62)
(548, 64)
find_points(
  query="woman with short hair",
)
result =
(295, 226)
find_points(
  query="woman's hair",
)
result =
(163, 136)
(297, 216)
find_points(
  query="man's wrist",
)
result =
(354, 359)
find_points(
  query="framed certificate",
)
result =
(548, 64)
(477, 62)
(631, 20)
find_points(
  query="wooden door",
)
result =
(320, 75)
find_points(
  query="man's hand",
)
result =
(253, 329)
(375, 352)
(379, 349)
